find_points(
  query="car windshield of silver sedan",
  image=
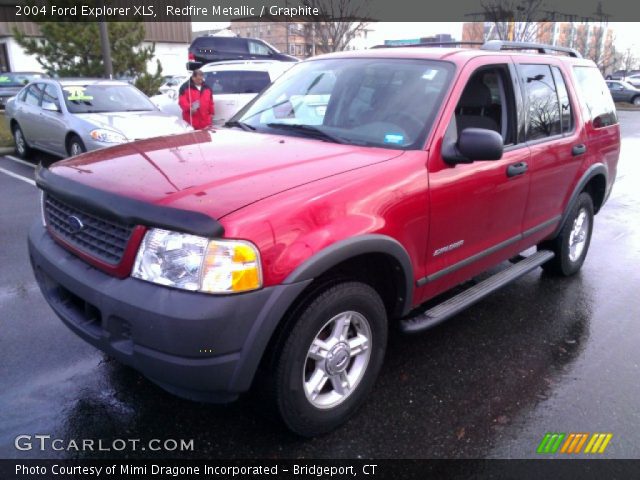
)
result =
(105, 98)
(382, 102)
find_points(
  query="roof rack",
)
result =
(429, 44)
(497, 45)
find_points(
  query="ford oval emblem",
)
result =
(75, 224)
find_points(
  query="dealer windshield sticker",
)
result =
(4, 79)
(76, 93)
(393, 138)
(430, 74)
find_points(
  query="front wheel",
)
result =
(572, 243)
(636, 101)
(331, 358)
(75, 146)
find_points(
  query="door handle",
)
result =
(517, 169)
(578, 149)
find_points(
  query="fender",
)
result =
(353, 247)
(592, 171)
(286, 293)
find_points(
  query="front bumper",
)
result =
(198, 346)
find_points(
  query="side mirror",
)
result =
(474, 144)
(50, 107)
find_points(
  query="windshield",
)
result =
(105, 98)
(17, 79)
(371, 101)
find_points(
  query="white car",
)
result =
(173, 82)
(234, 84)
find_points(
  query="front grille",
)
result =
(105, 240)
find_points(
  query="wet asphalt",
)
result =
(541, 355)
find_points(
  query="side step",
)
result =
(455, 305)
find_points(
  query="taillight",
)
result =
(192, 57)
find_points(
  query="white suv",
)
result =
(234, 84)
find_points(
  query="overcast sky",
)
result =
(627, 35)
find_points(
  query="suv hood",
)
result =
(215, 171)
(136, 125)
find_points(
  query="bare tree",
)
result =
(515, 20)
(344, 20)
(629, 60)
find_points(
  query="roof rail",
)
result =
(497, 45)
(429, 44)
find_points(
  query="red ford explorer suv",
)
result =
(354, 189)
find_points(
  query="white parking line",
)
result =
(18, 160)
(19, 177)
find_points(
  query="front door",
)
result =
(476, 209)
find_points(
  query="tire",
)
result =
(22, 147)
(572, 243)
(318, 353)
(75, 146)
(636, 101)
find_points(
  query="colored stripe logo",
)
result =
(573, 443)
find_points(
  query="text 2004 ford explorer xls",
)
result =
(355, 188)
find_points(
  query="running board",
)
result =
(455, 305)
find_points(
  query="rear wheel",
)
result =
(636, 101)
(572, 243)
(75, 146)
(331, 358)
(22, 148)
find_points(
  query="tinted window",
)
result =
(257, 48)
(34, 92)
(566, 112)
(221, 44)
(595, 98)
(543, 109)
(238, 81)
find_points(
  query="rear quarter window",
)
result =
(239, 81)
(595, 98)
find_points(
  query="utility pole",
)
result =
(106, 47)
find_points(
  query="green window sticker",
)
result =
(4, 79)
(76, 93)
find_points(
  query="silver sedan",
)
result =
(69, 116)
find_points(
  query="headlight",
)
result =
(107, 136)
(196, 263)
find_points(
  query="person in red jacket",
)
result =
(196, 101)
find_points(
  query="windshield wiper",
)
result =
(244, 126)
(310, 130)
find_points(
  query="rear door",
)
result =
(28, 113)
(477, 208)
(557, 146)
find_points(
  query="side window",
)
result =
(595, 97)
(34, 93)
(566, 112)
(486, 102)
(50, 95)
(543, 112)
(257, 48)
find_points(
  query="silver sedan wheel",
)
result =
(636, 101)
(21, 144)
(337, 360)
(76, 149)
(578, 236)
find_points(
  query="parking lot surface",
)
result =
(541, 355)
